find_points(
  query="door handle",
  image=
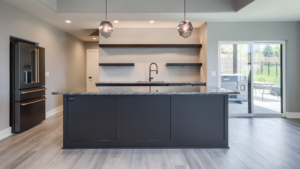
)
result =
(37, 65)
(36, 101)
(32, 91)
(90, 77)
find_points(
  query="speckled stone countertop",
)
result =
(149, 90)
(153, 83)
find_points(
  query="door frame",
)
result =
(86, 63)
(283, 73)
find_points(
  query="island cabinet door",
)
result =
(199, 120)
(146, 118)
(92, 118)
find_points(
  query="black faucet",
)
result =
(152, 70)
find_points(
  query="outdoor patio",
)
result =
(270, 104)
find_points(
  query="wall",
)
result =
(64, 56)
(142, 57)
(203, 52)
(288, 31)
(91, 45)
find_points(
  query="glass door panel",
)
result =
(235, 62)
(267, 82)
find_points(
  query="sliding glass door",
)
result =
(253, 69)
(235, 62)
(267, 78)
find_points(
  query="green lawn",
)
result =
(268, 78)
(272, 70)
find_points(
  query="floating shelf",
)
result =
(150, 45)
(184, 64)
(116, 64)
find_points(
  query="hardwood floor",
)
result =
(271, 143)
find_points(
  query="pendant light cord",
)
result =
(106, 10)
(184, 11)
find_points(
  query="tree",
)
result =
(268, 51)
(277, 50)
(276, 53)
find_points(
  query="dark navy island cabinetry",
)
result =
(186, 116)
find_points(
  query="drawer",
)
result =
(21, 95)
(29, 113)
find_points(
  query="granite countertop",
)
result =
(149, 90)
(147, 83)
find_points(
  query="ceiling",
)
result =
(87, 14)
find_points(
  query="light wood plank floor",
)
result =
(271, 143)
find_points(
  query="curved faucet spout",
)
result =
(152, 70)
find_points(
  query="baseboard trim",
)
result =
(54, 111)
(293, 115)
(5, 133)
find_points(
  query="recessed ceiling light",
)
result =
(68, 21)
(94, 38)
(151, 21)
(116, 21)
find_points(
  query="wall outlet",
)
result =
(47, 73)
(213, 73)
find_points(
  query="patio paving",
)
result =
(270, 104)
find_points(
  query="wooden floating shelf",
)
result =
(184, 64)
(116, 64)
(150, 45)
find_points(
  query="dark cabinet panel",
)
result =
(198, 117)
(146, 118)
(92, 118)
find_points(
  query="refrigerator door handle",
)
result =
(36, 101)
(32, 91)
(37, 65)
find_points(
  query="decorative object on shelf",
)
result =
(185, 28)
(106, 28)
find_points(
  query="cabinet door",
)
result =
(146, 118)
(92, 118)
(198, 118)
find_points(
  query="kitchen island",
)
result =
(185, 116)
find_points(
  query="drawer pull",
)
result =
(25, 104)
(32, 91)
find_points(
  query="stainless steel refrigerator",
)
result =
(27, 86)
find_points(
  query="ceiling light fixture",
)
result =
(151, 21)
(106, 28)
(185, 28)
(116, 21)
(68, 21)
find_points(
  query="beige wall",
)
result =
(64, 56)
(203, 52)
(142, 57)
(91, 45)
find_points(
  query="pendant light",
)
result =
(106, 28)
(185, 28)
